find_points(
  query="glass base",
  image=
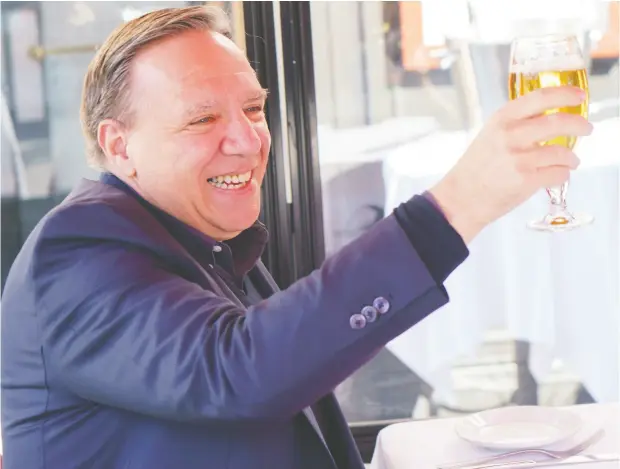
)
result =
(559, 222)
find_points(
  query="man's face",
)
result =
(199, 141)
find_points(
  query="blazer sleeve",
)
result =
(120, 329)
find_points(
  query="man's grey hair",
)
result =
(105, 93)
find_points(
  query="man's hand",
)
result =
(505, 165)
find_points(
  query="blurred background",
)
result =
(372, 102)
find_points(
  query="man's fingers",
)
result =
(549, 165)
(551, 176)
(538, 101)
(546, 127)
(542, 158)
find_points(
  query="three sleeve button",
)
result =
(381, 305)
(357, 321)
(370, 313)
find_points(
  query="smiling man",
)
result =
(194, 141)
(139, 327)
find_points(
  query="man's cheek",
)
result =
(265, 138)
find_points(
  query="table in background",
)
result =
(424, 444)
(559, 292)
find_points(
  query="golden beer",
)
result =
(543, 62)
(523, 80)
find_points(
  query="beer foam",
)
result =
(555, 64)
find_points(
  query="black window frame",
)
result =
(297, 245)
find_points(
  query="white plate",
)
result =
(518, 427)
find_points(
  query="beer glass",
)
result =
(552, 60)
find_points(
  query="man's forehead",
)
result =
(196, 59)
(221, 78)
(242, 85)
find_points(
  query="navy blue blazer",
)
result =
(126, 346)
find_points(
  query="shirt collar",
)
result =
(238, 255)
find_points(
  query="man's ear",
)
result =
(112, 138)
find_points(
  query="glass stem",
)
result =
(557, 198)
(557, 209)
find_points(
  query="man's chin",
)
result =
(232, 228)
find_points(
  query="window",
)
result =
(401, 88)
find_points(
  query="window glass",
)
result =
(402, 87)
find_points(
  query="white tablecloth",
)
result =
(426, 443)
(560, 292)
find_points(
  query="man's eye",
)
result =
(254, 109)
(205, 120)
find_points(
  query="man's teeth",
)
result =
(231, 181)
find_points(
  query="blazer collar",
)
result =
(240, 253)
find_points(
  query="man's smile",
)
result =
(231, 181)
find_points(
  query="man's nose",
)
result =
(241, 138)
